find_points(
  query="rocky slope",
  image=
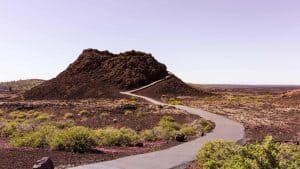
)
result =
(101, 74)
(171, 87)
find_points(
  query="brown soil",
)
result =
(193, 166)
(24, 158)
(101, 74)
(261, 109)
(292, 94)
(171, 87)
(149, 116)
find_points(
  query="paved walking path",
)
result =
(179, 155)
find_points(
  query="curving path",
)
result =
(179, 155)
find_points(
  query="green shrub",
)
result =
(116, 137)
(134, 99)
(188, 130)
(63, 124)
(76, 139)
(68, 115)
(214, 154)
(167, 128)
(148, 135)
(38, 139)
(9, 129)
(140, 114)
(83, 113)
(169, 123)
(267, 155)
(128, 113)
(289, 156)
(40, 117)
(174, 101)
(207, 126)
(104, 114)
(1, 112)
(18, 115)
(165, 133)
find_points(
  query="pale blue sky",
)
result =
(202, 41)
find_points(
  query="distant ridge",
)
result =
(20, 85)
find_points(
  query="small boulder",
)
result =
(44, 163)
(139, 144)
(181, 138)
(129, 107)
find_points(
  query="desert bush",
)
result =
(40, 117)
(77, 139)
(83, 113)
(38, 139)
(289, 156)
(214, 154)
(188, 130)
(168, 122)
(167, 128)
(9, 129)
(116, 137)
(148, 135)
(68, 115)
(140, 114)
(165, 133)
(128, 113)
(267, 155)
(134, 99)
(207, 125)
(62, 124)
(18, 115)
(104, 114)
(1, 112)
(174, 101)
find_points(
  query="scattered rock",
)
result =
(44, 163)
(128, 107)
(181, 138)
(140, 144)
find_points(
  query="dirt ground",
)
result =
(263, 110)
(24, 158)
(132, 113)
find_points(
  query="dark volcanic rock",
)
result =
(44, 163)
(181, 138)
(101, 74)
(171, 87)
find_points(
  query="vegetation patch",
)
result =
(77, 139)
(174, 101)
(63, 135)
(83, 113)
(148, 135)
(68, 115)
(104, 114)
(9, 129)
(1, 112)
(267, 155)
(128, 112)
(116, 137)
(37, 139)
